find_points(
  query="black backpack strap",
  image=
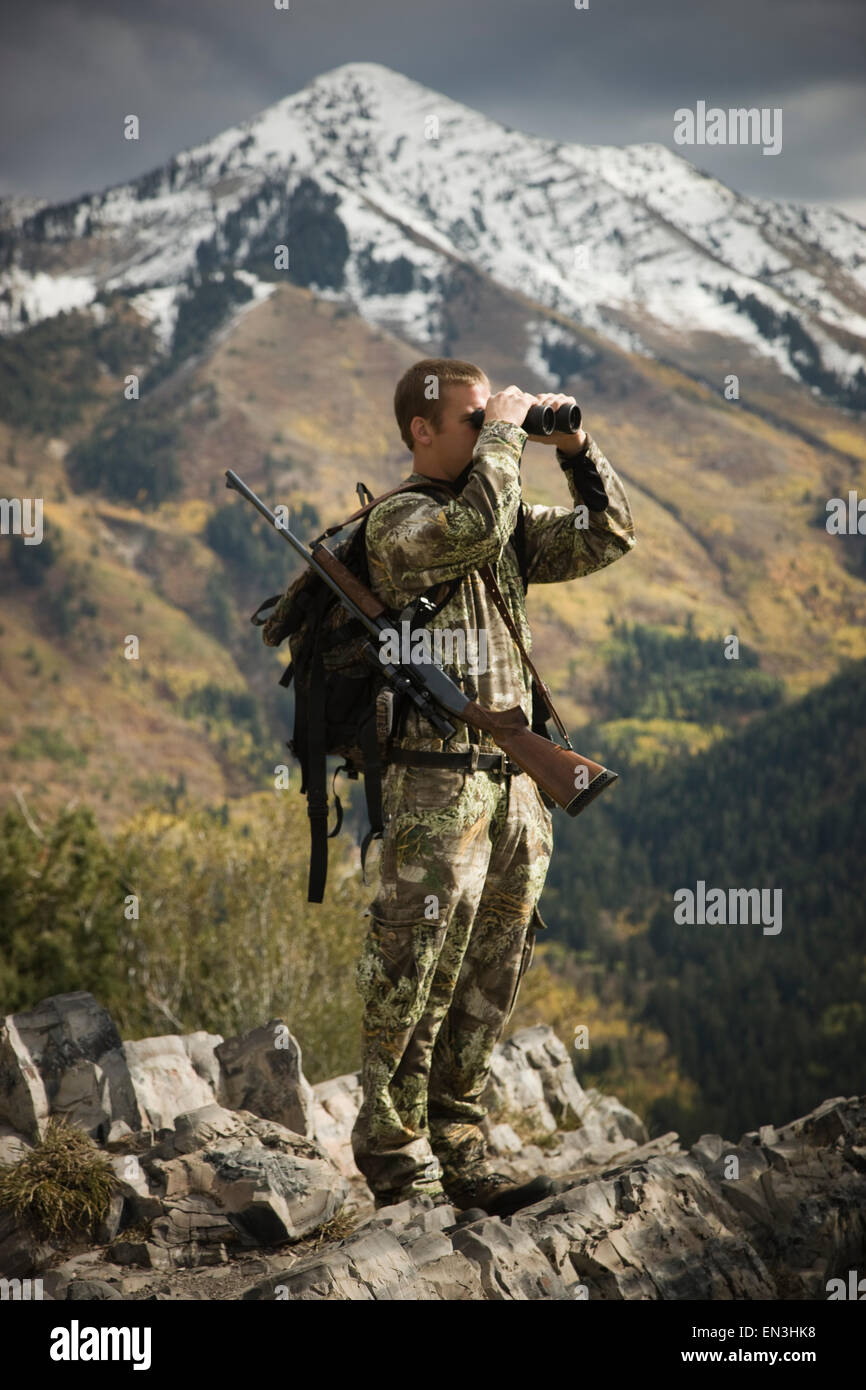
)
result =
(268, 603)
(369, 738)
(338, 805)
(315, 771)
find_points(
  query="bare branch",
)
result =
(22, 804)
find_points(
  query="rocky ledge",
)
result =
(235, 1179)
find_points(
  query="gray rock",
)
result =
(201, 1048)
(275, 1197)
(108, 1227)
(532, 1076)
(427, 1248)
(90, 1289)
(335, 1107)
(191, 1131)
(273, 1185)
(442, 1273)
(64, 1057)
(415, 1214)
(140, 1196)
(708, 1149)
(76, 1266)
(165, 1081)
(801, 1195)
(510, 1263)
(23, 1253)
(195, 1218)
(629, 1217)
(123, 1140)
(657, 1224)
(380, 1262)
(605, 1119)
(13, 1146)
(132, 1180)
(501, 1139)
(327, 1277)
(652, 1230)
(140, 1252)
(575, 1154)
(516, 1086)
(262, 1072)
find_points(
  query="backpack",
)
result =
(337, 689)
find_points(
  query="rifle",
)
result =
(571, 780)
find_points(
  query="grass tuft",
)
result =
(63, 1185)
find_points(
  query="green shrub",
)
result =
(61, 900)
(49, 371)
(131, 456)
(38, 741)
(32, 562)
(224, 938)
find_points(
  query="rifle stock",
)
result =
(570, 779)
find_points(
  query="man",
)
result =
(466, 844)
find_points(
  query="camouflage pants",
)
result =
(463, 862)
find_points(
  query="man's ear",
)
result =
(421, 431)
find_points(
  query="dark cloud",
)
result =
(612, 74)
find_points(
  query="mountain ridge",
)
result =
(634, 243)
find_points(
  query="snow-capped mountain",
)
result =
(377, 185)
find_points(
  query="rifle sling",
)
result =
(362, 511)
(495, 592)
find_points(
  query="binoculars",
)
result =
(541, 419)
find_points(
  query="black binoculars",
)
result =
(540, 419)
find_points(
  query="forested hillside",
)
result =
(764, 1024)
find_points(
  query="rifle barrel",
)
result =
(417, 677)
(233, 481)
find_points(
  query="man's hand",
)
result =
(510, 404)
(568, 443)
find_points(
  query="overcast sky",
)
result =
(614, 73)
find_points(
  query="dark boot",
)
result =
(388, 1199)
(497, 1194)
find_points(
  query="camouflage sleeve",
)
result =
(416, 541)
(563, 544)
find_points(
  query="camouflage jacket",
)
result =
(416, 541)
